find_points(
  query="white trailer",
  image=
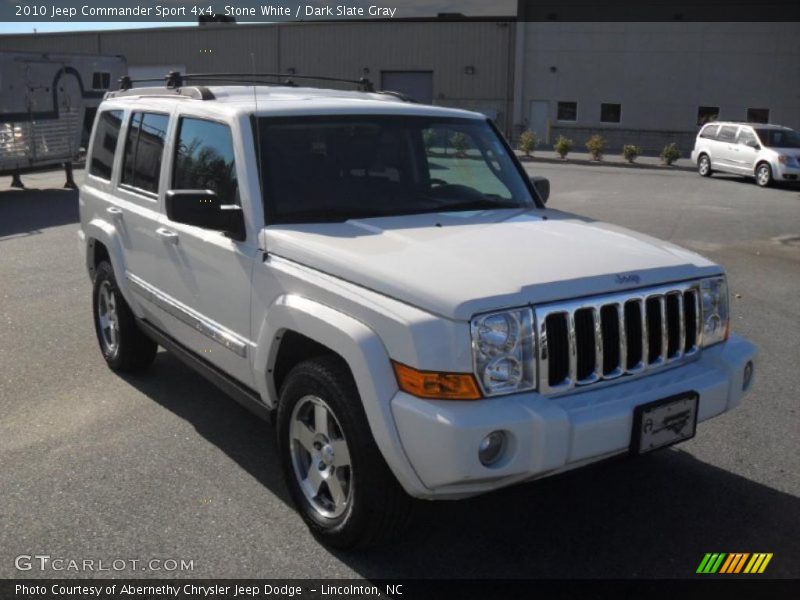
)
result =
(47, 107)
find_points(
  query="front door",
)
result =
(538, 120)
(205, 274)
(746, 151)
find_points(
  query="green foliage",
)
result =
(596, 145)
(670, 153)
(527, 142)
(631, 152)
(429, 139)
(460, 142)
(563, 146)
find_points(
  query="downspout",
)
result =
(519, 70)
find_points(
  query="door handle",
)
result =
(168, 235)
(114, 211)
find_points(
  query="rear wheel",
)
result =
(124, 346)
(763, 175)
(335, 473)
(704, 165)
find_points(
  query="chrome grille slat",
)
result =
(667, 349)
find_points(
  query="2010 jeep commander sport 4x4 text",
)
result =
(383, 278)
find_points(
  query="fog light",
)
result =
(748, 375)
(491, 448)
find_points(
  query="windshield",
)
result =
(335, 168)
(779, 138)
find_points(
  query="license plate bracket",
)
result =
(664, 422)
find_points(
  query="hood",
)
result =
(462, 263)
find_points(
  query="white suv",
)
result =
(766, 152)
(384, 280)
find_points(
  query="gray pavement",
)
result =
(97, 466)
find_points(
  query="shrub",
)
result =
(527, 142)
(429, 139)
(596, 145)
(670, 153)
(631, 152)
(563, 146)
(460, 142)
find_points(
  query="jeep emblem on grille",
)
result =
(627, 278)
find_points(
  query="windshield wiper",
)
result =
(477, 205)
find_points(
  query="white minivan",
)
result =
(766, 152)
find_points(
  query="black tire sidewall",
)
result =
(104, 273)
(327, 380)
(769, 171)
(700, 163)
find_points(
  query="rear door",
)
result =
(724, 156)
(135, 206)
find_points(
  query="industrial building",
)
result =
(634, 83)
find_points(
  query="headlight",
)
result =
(503, 351)
(716, 316)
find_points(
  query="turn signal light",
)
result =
(435, 385)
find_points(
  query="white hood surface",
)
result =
(462, 263)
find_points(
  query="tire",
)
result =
(125, 348)
(704, 166)
(763, 175)
(341, 462)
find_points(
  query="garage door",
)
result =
(418, 85)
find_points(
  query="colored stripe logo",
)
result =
(733, 563)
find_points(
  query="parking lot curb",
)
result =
(600, 163)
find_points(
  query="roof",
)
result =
(282, 100)
(749, 124)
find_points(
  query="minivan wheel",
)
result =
(704, 165)
(124, 346)
(763, 175)
(335, 472)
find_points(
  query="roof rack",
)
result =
(175, 79)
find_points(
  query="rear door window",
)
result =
(727, 133)
(144, 149)
(106, 134)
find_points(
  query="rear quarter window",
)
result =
(104, 144)
(709, 132)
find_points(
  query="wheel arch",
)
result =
(316, 328)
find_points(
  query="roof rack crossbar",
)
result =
(363, 83)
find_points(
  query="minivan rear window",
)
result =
(709, 132)
(144, 147)
(106, 134)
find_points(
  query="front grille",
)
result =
(585, 341)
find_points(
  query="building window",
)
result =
(567, 111)
(101, 81)
(706, 114)
(610, 113)
(758, 115)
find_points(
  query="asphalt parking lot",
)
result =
(97, 466)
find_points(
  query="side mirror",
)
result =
(202, 208)
(542, 185)
(754, 144)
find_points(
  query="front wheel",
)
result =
(335, 473)
(704, 165)
(763, 175)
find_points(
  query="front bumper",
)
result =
(788, 172)
(547, 435)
